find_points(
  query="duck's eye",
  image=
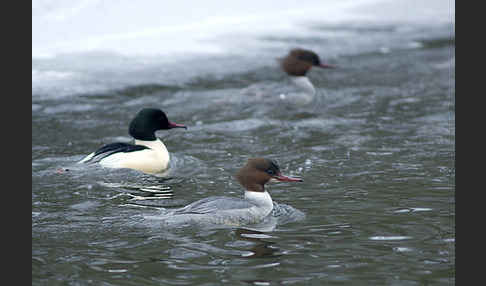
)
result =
(270, 172)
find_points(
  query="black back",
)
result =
(112, 148)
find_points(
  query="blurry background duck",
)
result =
(296, 64)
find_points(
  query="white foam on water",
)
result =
(385, 238)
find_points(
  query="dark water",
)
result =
(376, 152)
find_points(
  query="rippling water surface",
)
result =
(376, 152)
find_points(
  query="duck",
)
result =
(255, 205)
(148, 154)
(296, 64)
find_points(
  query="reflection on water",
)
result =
(260, 247)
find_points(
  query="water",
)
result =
(376, 151)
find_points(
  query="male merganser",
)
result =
(296, 64)
(252, 209)
(148, 154)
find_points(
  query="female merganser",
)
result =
(296, 64)
(148, 154)
(252, 209)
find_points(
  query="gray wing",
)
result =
(212, 204)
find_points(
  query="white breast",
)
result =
(304, 94)
(153, 160)
(304, 83)
(262, 201)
